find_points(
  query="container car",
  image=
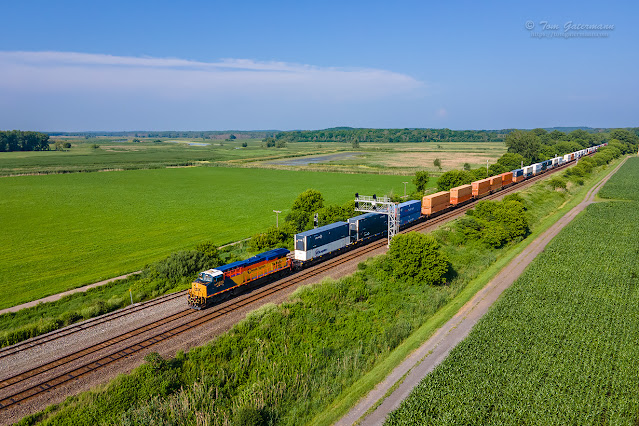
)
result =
(321, 241)
(435, 203)
(409, 211)
(528, 171)
(461, 194)
(481, 188)
(367, 226)
(495, 182)
(536, 169)
(518, 175)
(506, 179)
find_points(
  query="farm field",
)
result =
(128, 155)
(624, 185)
(65, 230)
(386, 158)
(560, 346)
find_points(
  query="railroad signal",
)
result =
(383, 205)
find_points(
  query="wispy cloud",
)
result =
(171, 77)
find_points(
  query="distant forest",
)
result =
(190, 134)
(17, 140)
(350, 135)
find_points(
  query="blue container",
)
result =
(408, 218)
(367, 225)
(518, 172)
(323, 235)
(409, 207)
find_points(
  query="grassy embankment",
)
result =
(560, 346)
(64, 231)
(293, 362)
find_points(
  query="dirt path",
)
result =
(428, 356)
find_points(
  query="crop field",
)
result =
(560, 346)
(61, 231)
(623, 184)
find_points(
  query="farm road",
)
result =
(428, 356)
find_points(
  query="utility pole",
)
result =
(486, 167)
(405, 196)
(277, 218)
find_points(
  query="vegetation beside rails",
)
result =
(559, 347)
(287, 364)
(169, 275)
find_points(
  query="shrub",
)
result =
(557, 182)
(416, 257)
(453, 178)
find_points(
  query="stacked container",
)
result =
(409, 211)
(495, 182)
(481, 187)
(435, 203)
(537, 168)
(367, 225)
(528, 171)
(506, 178)
(320, 241)
(518, 175)
(460, 194)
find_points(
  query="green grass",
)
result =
(622, 185)
(559, 347)
(63, 231)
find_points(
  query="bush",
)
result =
(183, 264)
(557, 182)
(416, 257)
(453, 178)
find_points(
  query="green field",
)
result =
(623, 185)
(560, 346)
(65, 230)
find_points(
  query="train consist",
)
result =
(319, 244)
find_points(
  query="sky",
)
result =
(241, 65)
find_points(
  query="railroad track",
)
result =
(74, 328)
(197, 318)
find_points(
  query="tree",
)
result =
(437, 163)
(467, 166)
(355, 143)
(421, 180)
(416, 257)
(270, 142)
(280, 144)
(67, 145)
(307, 203)
(525, 143)
(453, 178)
(511, 161)
(244, 144)
(209, 249)
(232, 137)
(135, 140)
(58, 145)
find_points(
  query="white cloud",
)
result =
(174, 78)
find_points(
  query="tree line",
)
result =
(351, 135)
(17, 140)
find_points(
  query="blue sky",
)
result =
(216, 65)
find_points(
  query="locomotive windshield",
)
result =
(206, 277)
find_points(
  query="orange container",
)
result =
(460, 194)
(495, 182)
(442, 197)
(519, 178)
(506, 178)
(427, 211)
(481, 187)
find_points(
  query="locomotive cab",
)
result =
(200, 287)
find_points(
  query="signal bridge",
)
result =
(382, 205)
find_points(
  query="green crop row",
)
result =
(560, 346)
(623, 185)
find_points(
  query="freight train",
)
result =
(327, 241)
